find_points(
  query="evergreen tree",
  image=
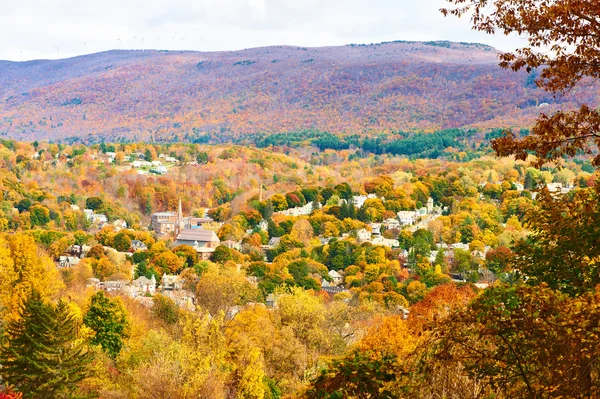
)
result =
(107, 318)
(41, 356)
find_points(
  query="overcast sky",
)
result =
(34, 29)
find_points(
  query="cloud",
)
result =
(31, 29)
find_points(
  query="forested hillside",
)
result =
(354, 89)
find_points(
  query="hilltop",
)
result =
(353, 89)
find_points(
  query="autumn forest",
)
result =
(394, 220)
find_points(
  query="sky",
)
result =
(51, 29)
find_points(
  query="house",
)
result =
(386, 242)
(171, 282)
(375, 228)
(68, 261)
(119, 224)
(232, 245)
(336, 277)
(160, 170)
(100, 218)
(391, 223)
(137, 245)
(299, 211)
(89, 214)
(331, 291)
(145, 285)
(359, 200)
(203, 241)
(406, 218)
(554, 187)
(196, 222)
(271, 300)
(113, 285)
(274, 241)
(263, 225)
(75, 207)
(363, 235)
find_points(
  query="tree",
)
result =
(222, 254)
(107, 318)
(279, 202)
(571, 29)
(522, 341)
(94, 203)
(202, 157)
(168, 262)
(220, 290)
(43, 356)
(564, 249)
(39, 215)
(251, 385)
(165, 309)
(122, 242)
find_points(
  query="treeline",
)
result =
(429, 145)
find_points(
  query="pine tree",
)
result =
(41, 355)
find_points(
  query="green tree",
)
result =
(122, 242)
(202, 157)
(39, 215)
(107, 318)
(94, 203)
(42, 355)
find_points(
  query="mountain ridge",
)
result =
(352, 89)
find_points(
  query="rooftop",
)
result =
(197, 235)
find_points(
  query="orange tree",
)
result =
(563, 43)
(522, 341)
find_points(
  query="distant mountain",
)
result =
(142, 95)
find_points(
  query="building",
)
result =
(137, 245)
(386, 242)
(407, 217)
(363, 235)
(203, 241)
(164, 222)
(145, 285)
(198, 237)
(430, 205)
(119, 224)
(392, 223)
(336, 278)
(171, 283)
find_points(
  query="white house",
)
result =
(336, 277)
(363, 235)
(375, 228)
(359, 200)
(391, 223)
(386, 242)
(119, 224)
(145, 285)
(89, 214)
(406, 218)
